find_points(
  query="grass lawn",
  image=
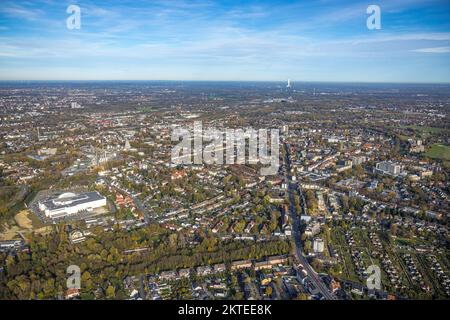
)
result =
(428, 130)
(438, 151)
(405, 241)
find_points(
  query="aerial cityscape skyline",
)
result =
(231, 158)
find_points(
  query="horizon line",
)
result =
(205, 80)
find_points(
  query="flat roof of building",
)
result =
(68, 199)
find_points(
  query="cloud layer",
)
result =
(225, 40)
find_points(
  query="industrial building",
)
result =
(71, 203)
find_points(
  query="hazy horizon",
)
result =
(293, 81)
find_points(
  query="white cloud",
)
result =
(433, 50)
(21, 12)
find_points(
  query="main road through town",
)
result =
(294, 188)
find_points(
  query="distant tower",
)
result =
(288, 84)
(127, 145)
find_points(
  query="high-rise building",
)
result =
(318, 245)
(357, 160)
(388, 167)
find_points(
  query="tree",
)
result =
(380, 188)
(311, 200)
(110, 292)
(358, 171)
(393, 229)
(345, 203)
(86, 281)
(302, 296)
(268, 291)
(307, 246)
(274, 218)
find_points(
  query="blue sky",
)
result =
(321, 40)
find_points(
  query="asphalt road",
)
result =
(294, 188)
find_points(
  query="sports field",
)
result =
(438, 151)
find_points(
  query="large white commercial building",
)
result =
(70, 203)
(389, 168)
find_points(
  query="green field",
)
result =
(429, 130)
(425, 132)
(438, 151)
